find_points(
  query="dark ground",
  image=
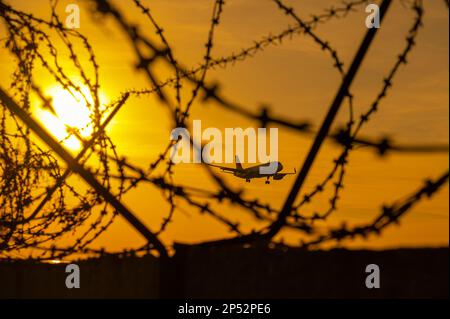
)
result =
(231, 272)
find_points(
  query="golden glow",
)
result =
(305, 85)
(72, 112)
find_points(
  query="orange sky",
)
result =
(296, 79)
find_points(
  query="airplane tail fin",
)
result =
(238, 164)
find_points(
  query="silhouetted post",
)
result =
(326, 125)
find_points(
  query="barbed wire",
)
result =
(347, 136)
(41, 205)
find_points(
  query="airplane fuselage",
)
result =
(255, 171)
(267, 170)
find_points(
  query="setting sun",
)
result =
(71, 113)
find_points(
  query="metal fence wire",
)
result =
(35, 191)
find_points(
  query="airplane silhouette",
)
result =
(254, 171)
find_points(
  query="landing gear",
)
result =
(267, 181)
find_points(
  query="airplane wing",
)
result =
(223, 168)
(293, 173)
